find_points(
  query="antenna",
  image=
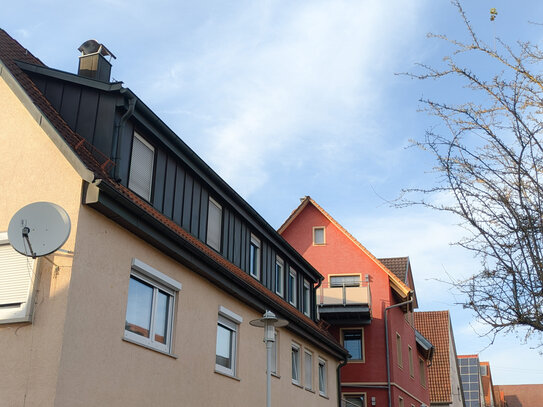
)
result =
(39, 229)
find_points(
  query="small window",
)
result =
(295, 356)
(422, 372)
(141, 167)
(275, 362)
(400, 402)
(306, 298)
(254, 257)
(318, 235)
(214, 225)
(353, 341)
(323, 378)
(399, 349)
(345, 281)
(17, 278)
(308, 370)
(411, 367)
(484, 370)
(150, 307)
(227, 340)
(279, 276)
(356, 401)
(292, 286)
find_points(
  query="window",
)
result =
(484, 371)
(400, 402)
(411, 368)
(275, 346)
(353, 341)
(254, 257)
(227, 341)
(356, 401)
(17, 283)
(318, 235)
(422, 372)
(295, 364)
(150, 307)
(399, 349)
(308, 370)
(306, 298)
(279, 275)
(323, 377)
(140, 179)
(292, 286)
(214, 224)
(345, 281)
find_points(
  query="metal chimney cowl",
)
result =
(92, 61)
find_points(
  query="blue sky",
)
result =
(292, 98)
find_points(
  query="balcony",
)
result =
(344, 304)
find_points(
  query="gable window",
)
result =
(352, 340)
(318, 236)
(399, 349)
(17, 278)
(295, 356)
(306, 298)
(279, 275)
(345, 281)
(227, 339)
(140, 179)
(323, 377)
(254, 257)
(150, 307)
(308, 370)
(292, 286)
(214, 224)
(411, 367)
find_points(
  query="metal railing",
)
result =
(344, 294)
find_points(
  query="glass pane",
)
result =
(308, 371)
(254, 259)
(319, 236)
(273, 366)
(138, 311)
(224, 346)
(141, 168)
(161, 317)
(214, 225)
(352, 341)
(295, 362)
(322, 378)
(279, 277)
(347, 281)
(306, 299)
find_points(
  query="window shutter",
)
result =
(15, 276)
(141, 167)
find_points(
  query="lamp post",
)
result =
(269, 322)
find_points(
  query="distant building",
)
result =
(488, 386)
(444, 374)
(470, 373)
(362, 299)
(519, 395)
(149, 302)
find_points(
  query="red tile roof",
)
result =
(398, 265)
(522, 395)
(434, 325)
(10, 52)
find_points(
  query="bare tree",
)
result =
(490, 160)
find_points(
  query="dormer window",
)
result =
(141, 167)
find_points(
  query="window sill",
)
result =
(228, 375)
(297, 385)
(324, 396)
(150, 348)
(310, 390)
(356, 361)
(276, 375)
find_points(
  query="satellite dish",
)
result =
(39, 229)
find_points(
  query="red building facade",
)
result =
(358, 295)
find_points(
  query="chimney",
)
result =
(92, 61)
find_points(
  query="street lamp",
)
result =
(269, 322)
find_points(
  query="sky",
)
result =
(285, 99)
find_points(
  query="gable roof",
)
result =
(94, 167)
(435, 326)
(396, 283)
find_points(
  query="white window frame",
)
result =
(294, 276)
(254, 266)
(306, 298)
(279, 276)
(159, 282)
(323, 379)
(315, 229)
(211, 243)
(308, 370)
(24, 269)
(146, 196)
(231, 321)
(296, 351)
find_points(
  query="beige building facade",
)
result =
(80, 342)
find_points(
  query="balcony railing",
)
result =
(334, 295)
